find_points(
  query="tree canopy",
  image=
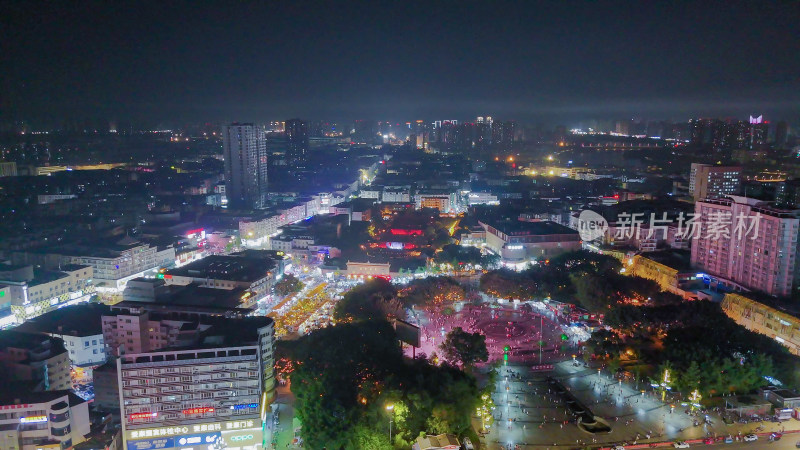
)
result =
(345, 377)
(465, 348)
(289, 284)
(431, 290)
(374, 300)
(459, 256)
(704, 348)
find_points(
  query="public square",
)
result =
(516, 326)
(530, 416)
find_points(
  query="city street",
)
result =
(297, 309)
(283, 433)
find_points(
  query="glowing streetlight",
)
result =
(695, 398)
(390, 408)
(665, 384)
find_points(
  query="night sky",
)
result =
(398, 60)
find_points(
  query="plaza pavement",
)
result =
(529, 416)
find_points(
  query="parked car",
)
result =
(680, 444)
(750, 438)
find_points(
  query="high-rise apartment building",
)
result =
(747, 242)
(297, 140)
(213, 395)
(245, 152)
(708, 181)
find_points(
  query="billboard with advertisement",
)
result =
(236, 433)
(203, 440)
(243, 438)
(197, 439)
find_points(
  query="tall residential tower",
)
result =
(245, 151)
(297, 140)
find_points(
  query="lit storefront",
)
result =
(230, 435)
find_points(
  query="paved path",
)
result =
(528, 415)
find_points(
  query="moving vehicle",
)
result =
(680, 444)
(750, 438)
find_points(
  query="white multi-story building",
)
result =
(42, 420)
(115, 265)
(79, 326)
(253, 274)
(397, 194)
(482, 198)
(521, 243)
(211, 395)
(373, 192)
(255, 233)
(293, 213)
(34, 292)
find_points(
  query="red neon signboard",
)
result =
(148, 415)
(198, 410)
(405, 232)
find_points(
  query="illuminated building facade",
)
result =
(521, 243)
(246, 271)
(297, 139)
(763, 259)
(42, 420)
(708, 181)
(245, 151)
(204, 397)
(764, 319)
(31, 293)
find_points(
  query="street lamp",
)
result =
(665, 384)
(391, 419)
(695, 398)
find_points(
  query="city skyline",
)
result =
(382, 225)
